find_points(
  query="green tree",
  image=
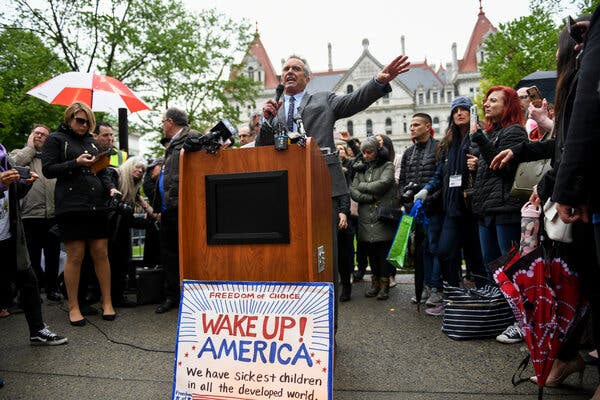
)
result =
(557, 7)
(25, 62)
(169, 55)
(520, 47)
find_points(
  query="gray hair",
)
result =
(370, 144)
(178, 116)
(307, 71)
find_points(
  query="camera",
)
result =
(121, 207)
(24, 172)
(212, 141)
(408, 193)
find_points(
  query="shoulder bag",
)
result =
(528, 175)
(553, 225)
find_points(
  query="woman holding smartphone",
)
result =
(81, 201)
(499, 212)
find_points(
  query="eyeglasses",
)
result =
(244, 135)
(40, 133)
(165, 120)
(82, 121)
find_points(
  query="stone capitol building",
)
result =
(424, 88)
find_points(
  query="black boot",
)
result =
(346, 293)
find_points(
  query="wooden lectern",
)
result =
(235, 199)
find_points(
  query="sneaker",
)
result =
(45, 337)
(424, 295)
(435, 298)
(512, 334)
(436, 311)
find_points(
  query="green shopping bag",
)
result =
(397, 253)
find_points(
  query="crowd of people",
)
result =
(73, 188)
(464, 181)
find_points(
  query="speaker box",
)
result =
(150, 285)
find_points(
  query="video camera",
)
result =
(212, 141)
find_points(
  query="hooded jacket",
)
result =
(372, 188)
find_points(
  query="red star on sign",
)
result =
(179, 363)
(193, 347)
(312, 354)
(318, 361)
(186, 354)
(324, 369)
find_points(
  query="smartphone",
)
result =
(535, 96)
(474, 118)
(576, 32)
(24, 172)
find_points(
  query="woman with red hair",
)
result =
(498, 211)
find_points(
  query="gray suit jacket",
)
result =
(319, 111)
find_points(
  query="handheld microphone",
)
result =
(278, 93)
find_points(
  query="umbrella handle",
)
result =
(517, 380)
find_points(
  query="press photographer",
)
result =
(128, 179)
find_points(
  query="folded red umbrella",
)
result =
(544, 295)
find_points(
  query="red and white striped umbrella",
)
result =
(100, 92)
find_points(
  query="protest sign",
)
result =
(254, 341)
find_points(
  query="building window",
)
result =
(436, 125)
(448, 97)
(386, 98)
(435, 97)
(388, 126)
(259, 76)
(350, 128)
(251, 73)
(349, 89)
(369, 127)
(421, 100)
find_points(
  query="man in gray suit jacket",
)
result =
(320, 110)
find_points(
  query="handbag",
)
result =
(555, 228)
(528, 175)
(475, 313)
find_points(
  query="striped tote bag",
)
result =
(475, 313)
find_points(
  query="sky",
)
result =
(305, 27)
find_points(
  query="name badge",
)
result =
(455, 180)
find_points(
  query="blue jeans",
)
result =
(431, 264)
(460, 232)
(496, 240)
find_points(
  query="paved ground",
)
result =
(386, 350)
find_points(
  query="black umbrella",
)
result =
(545, 82)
